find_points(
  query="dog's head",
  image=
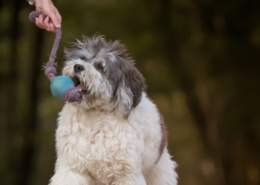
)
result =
(106, 74)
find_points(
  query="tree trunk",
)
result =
(11, 85)
(29, 148)
(172, 51)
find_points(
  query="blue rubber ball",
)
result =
(60, 85)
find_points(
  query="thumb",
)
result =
(56, 19)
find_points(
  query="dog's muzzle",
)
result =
(79, 84)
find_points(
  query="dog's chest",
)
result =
(102, 145)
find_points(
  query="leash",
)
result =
(61, 86)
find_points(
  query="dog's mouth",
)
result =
(76, 80)
(78, 83)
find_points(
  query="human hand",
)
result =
(52, 20)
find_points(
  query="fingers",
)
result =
(50, 26)
(45, 23)
(39, 22)
(53, 19)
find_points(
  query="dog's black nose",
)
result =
(78, 68)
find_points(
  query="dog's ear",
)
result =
(124, 99)
(130, 87)
(135, 82)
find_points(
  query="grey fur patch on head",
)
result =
(116, 66)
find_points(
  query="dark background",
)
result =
(201, 62)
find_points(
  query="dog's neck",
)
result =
(102, 109)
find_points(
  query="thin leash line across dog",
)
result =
(61, 86)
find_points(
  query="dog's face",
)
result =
(106, 74)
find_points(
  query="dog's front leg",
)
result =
(66, 176)
(131, 179)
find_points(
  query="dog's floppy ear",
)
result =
(130, 87)
(135, 82)
(124, 99)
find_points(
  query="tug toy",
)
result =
(61, 86)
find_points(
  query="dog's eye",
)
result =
(99, 66)
(83, 58)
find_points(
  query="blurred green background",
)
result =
(201, 62)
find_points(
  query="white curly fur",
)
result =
(98, 146)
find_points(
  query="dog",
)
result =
(115, 135)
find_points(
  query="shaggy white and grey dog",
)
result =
(115, 135)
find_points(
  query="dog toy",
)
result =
(61, 86)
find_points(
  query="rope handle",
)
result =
(61, 86)
(49, 68)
